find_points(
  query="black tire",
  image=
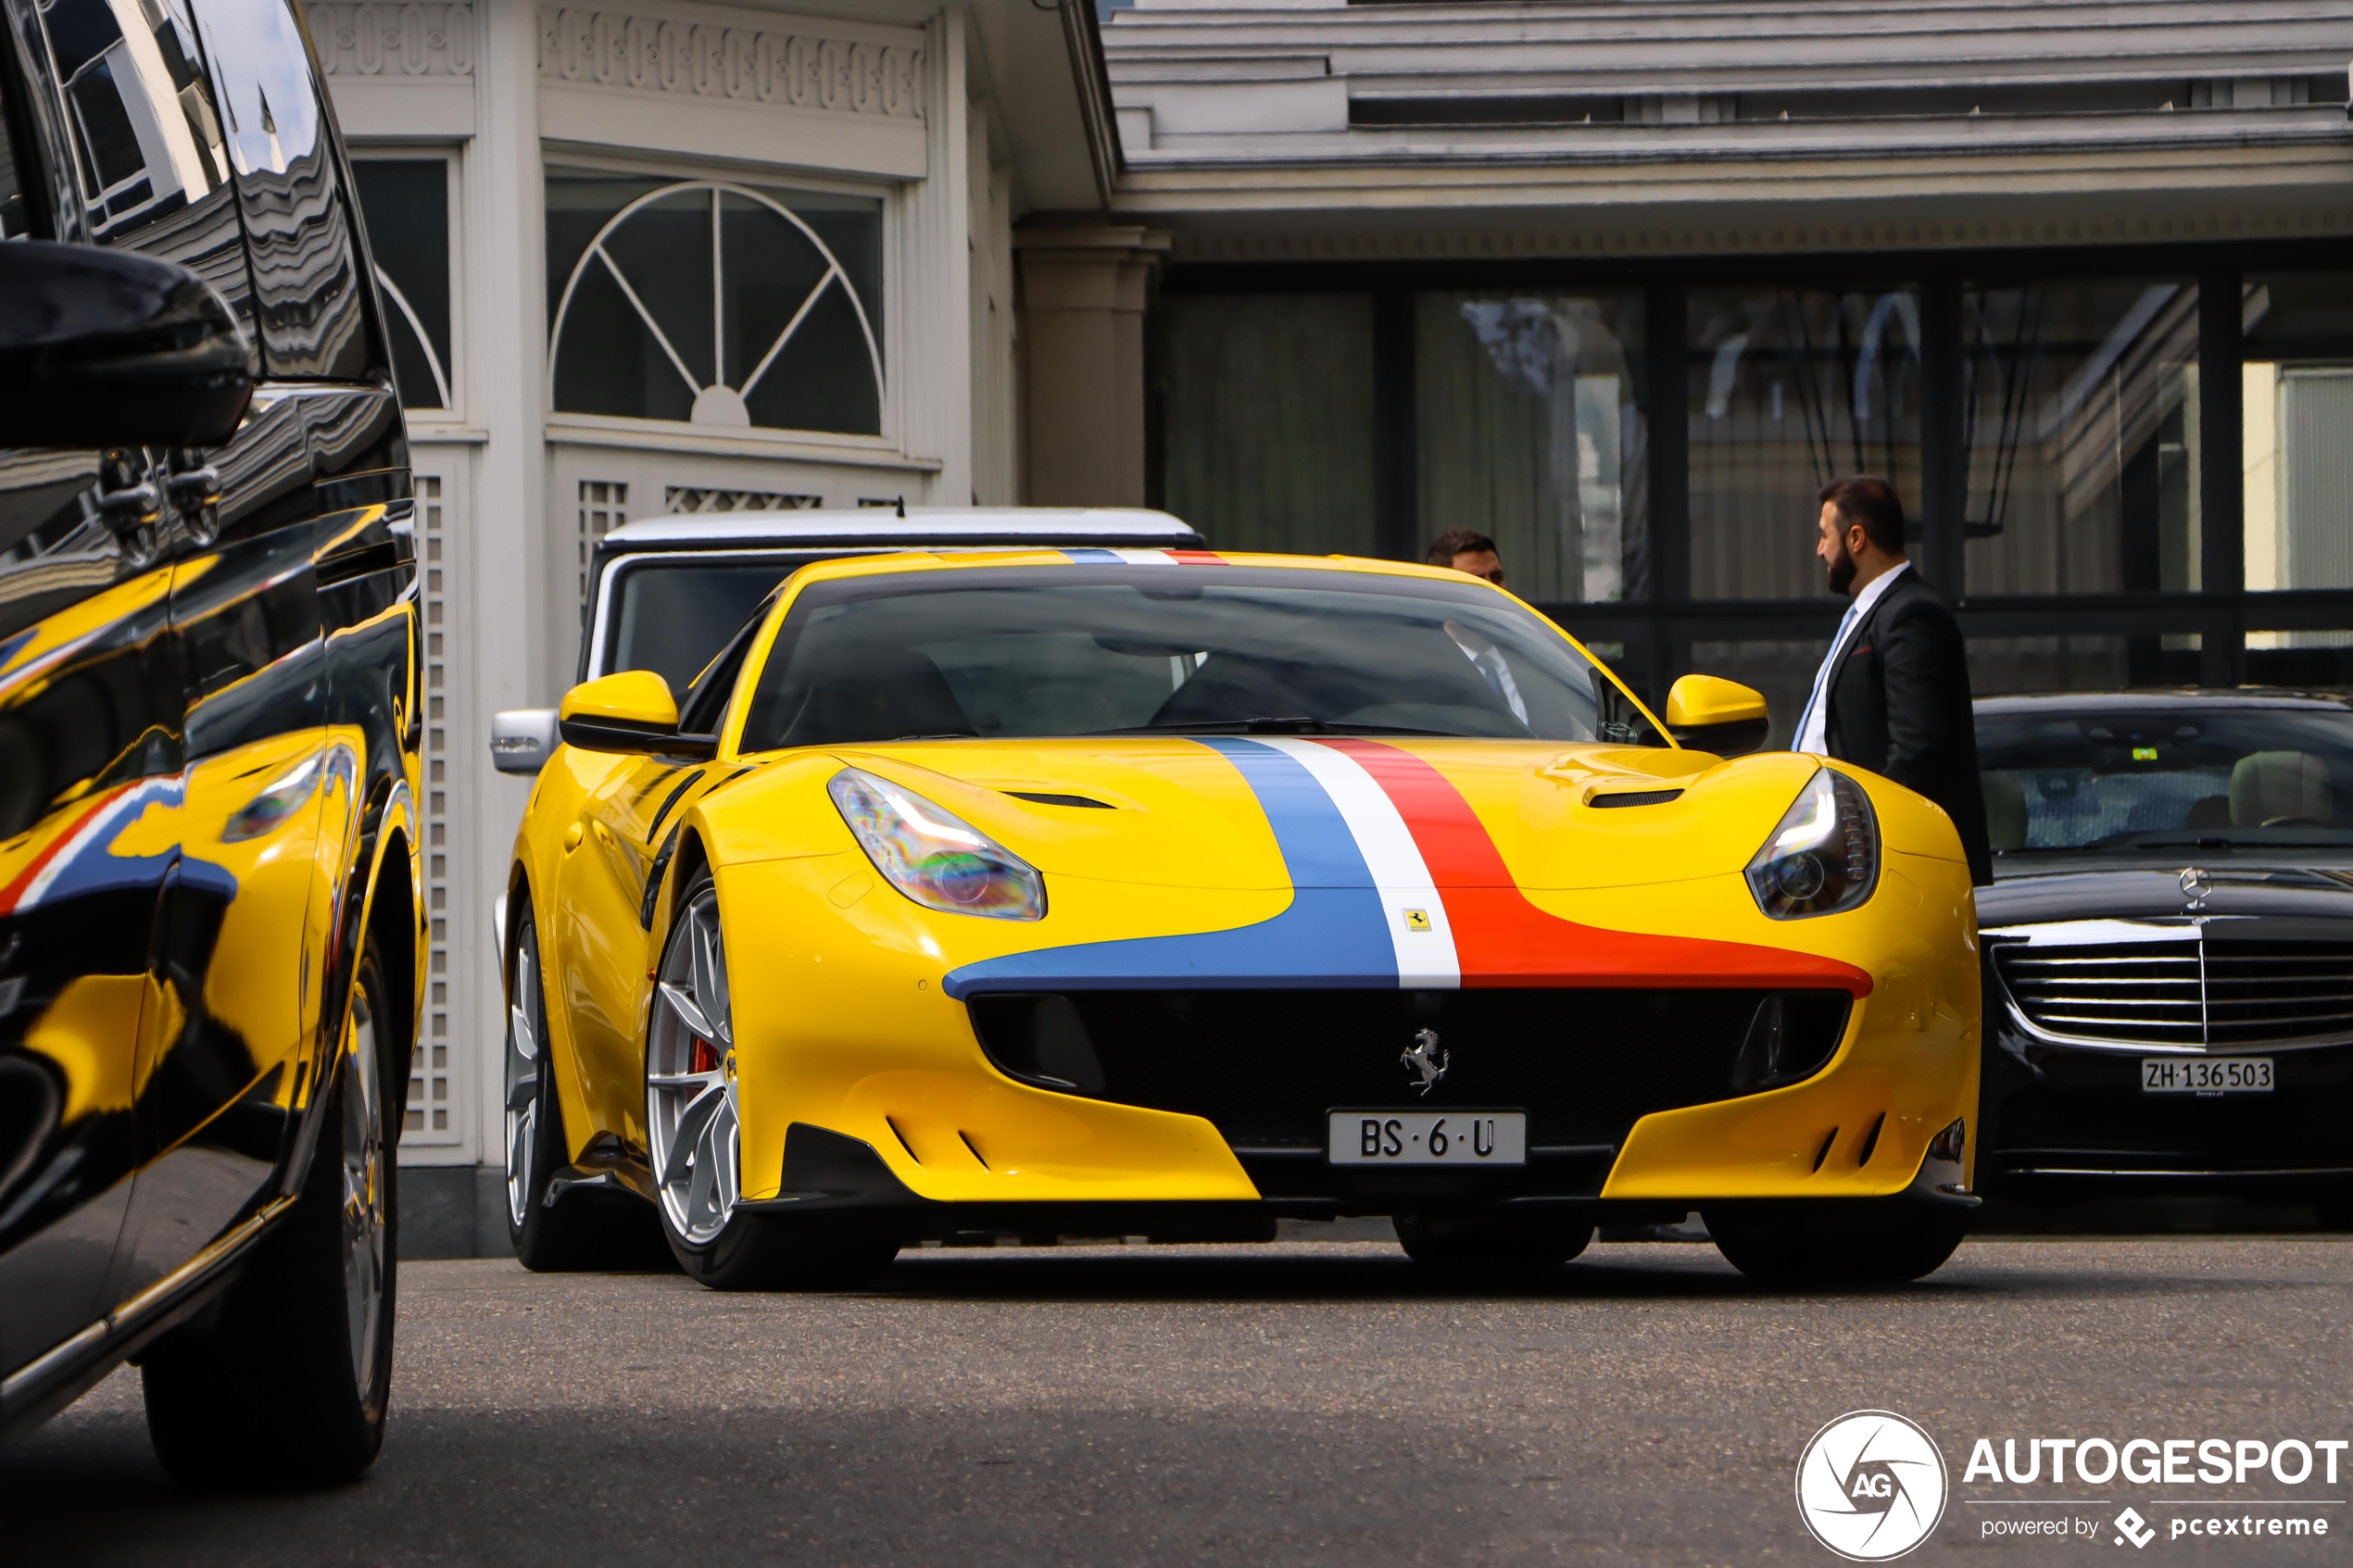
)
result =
(2334, 1212)
(1808, 1244)
(690, 1119)
(287, 1383)
(587, 1228)
(1488, 1248)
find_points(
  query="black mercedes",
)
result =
(2169, 945)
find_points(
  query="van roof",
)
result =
(868, 527)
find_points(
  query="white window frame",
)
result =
(887, 448)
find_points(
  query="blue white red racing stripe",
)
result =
(1395, 883)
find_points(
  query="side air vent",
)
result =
(1634, 797)
(1044, 800)
(1039, 1039)
(1790, 1037)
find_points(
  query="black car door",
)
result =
(105, 138)
(304, 557)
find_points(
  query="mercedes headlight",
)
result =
(933, 855)
(1823, 855)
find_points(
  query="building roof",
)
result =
(1645, 116)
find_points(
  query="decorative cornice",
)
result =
(1796, 237)
(393, 39)
(651, 53)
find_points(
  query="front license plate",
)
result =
(2195, 1075)
(1429, 1137)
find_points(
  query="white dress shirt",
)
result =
(1813, 726)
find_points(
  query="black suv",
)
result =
(210, 910)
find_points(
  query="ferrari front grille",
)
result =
(2198, 991)
(1267, 1067)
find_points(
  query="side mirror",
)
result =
(632, 711)
(106, 348)
(1712, 714)
(522, 739)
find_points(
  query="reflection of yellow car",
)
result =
(1163, 892)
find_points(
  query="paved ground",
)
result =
(1299, 1402)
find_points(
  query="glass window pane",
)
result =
(1790, 389)
(2081, 662)
(2306, 661)
(716, 303)
(2297, 379)
(2080, 421)
(1529, 413)
(1267, 420)
(674, 620)
(407, 205)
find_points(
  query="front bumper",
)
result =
(1218, 1107)
(2063, 1122)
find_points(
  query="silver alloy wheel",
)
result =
(690, 1079)
(522, 1075)
(363, 1191)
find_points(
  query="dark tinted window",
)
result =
(155, 158)
(406, 203)
(2168, 778)
(1087, 649)
(673, 618)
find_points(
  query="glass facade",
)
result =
(1529, 427)
(2080, 427)
(2061, 426)
(1268, 403)
(1788, 390)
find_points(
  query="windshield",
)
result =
(1113, 649)
(2174, 778)
(672, 616)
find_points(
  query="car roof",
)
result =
(2158, 701)
(869, 528)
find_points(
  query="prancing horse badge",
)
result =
(1425, 1058)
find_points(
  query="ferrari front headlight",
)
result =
(932, 855)
(1823, 855)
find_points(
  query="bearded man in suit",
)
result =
(1893, 694)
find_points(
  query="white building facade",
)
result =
(670, 257)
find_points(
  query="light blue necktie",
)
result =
(1822, 677)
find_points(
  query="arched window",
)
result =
(714, 303)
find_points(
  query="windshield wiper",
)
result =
(1264, 726)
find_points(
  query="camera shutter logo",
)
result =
(1871, 1486)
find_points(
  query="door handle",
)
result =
(572, 838)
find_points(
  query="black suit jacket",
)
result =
(1899, 705)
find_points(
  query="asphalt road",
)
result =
(1294, 1403)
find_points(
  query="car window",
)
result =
(148, 134)
(1088, 649)
(672, 618)
(309, 292)
(2167, 778)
